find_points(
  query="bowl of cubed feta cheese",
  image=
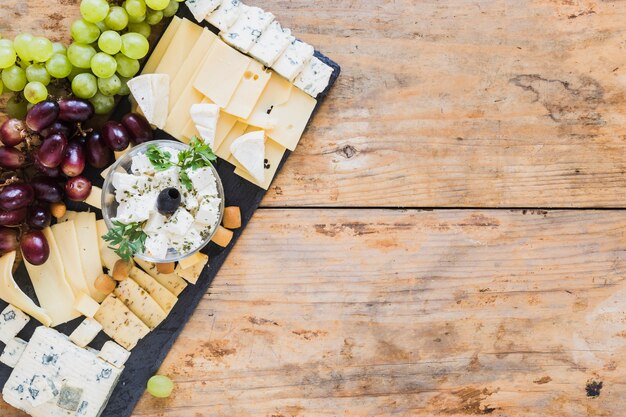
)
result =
(164, 199)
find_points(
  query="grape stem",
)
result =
(82, 132)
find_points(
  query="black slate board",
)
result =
(151, 351)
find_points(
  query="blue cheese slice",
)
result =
(248, 28)
(12, 321)
(86, 331)
(293, 60)
(314, 78)
(114, 354)
(13, 352)
(226, 15)
(200, 9)
(272, 43)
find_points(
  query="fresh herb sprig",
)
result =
(126, 239)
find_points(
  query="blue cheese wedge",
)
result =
(226, 15)
(247, 29)
(249, 151)
(13, 352)
(314, 78)
(293, 60)
(114, 354)
(86, 331)
(272, 43)
(200, 9)
(12, 321)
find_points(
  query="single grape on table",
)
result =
(160, 386)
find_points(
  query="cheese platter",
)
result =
(111, 233)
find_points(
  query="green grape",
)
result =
(126, 67)
(103, 65)
(84, 32)
(16, 107)
(136, 19)
(75, 71)
(21, 43)
(124, 90)
(102, 26)
(35, 92)
(117, 19)
(109, 86)
(180, 1)
(1, 87)
(153, 16)
(7, 56)
(80, 55)
(94, 10)
(85, 85)
(59, 66)
(157, 4)
(14, 78)
(39, 73)
(102, 104)
(160, 386)
(41, 49)
(171, 9)
(6, 43)
(134, 45)
(136, 8)
(59, 48)
(142, 28)
(110, 42)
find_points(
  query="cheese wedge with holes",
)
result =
(67, 240)
(162, 46)
(140, 303)
(277, 92)
(87, 234)
(249, 90)
(289, 119)
(273, 155)
(249, 151)
(158, 292)
(119, 323)
(172, 282)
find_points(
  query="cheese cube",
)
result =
(156, 245)
(247, 29)
(85, 332)
(141, 165)
(314, 78)
(121, 324)
(155, 223)
(167, 178)
(13, 352)
(207, 214)
(201, 8)
(202, 179)
(86, 305)
(12, 321)
(272, 43)
(128, 183)
(189, 201)
(293, 60)
(225, 15)
(179, 223)
(114, 354)
(137, 209)
(139, 302)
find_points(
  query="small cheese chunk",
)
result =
(157, 245)
(314, 78)
(232, 217)
(140, 303)
(155, 223)
(208, 213)
(191, 260)
(247, 29)
(203, 179)
(200, 9)
(293, 60)
(192, 273)
(249, 150)
(95, 197)
(161, 294)
(172, 282)
(114, 354)
(121, 324)
(152, 94)
(222, 236)
(140, 164)
(179, 223)
(86, 331)
(204, 116)
(272, 43)
(12, 321)
(226, 15)
(86, 305)
(13, 352)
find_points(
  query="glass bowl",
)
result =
(123, 164)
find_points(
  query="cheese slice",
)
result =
(249, 150)
(53, 292)
(12, 294)
(152, 94)
(249, 90)
(314, 78)
(87, 234)
(204, 116)
(86, 305)
(114, 354)
(273, 155)
(119, 323)
(162, 46)
(161, 295)
(289, 119)
(12, 321)
(221, 72)
(69, 215)
(172, 282)
(178, 49)
(293, 60)
(86, 331)
(200, 9)
(277, 92)
(140, 303)
(272, 43)
(65, 236)
(247, 29)
(226, 15)
(95, 197)
(191, 272)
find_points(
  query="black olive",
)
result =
(168, 201)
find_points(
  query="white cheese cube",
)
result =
(189, 201)
(141, 165)
(128, 182)
(207, 214)
(192, 240)
(13, 352)
(167, 178)
(157, 245)
(293, 60)
(173, 153)
(225, 15)
(201, 8)
(12, 321)
(86, 305)
(247, 29)
(85, 332)
(137, 209)
(179, 223)
(155, 223)
(272, 43)
(314, 78)
(203, 179)
(114, 354)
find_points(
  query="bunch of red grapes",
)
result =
(42, 162)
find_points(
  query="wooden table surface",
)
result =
(446, 239)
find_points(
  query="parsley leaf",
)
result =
(126, 239)
(159, 158)
(198, 155)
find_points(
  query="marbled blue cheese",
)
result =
(200, 9)
(114, 354)
(314, 78)
(293, 60)
(226, 15)
(12, 321)
(272, 43)
(13, 352)
(248, 28)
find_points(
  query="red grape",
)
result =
(98, 155)
(74, 161)
(8, 240)
(75, 110)
(15, 196)
(138, 128)
(35, 247)
(11, 158)
(48, 172)
(57, 127)
(115, 136)
(11, 132)
(52, 150)
(78, 188)
(13, 217)
(42, 115)
(47, 189)
(39, 216)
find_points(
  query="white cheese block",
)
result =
(179, 223)
(205, 116)
(207, 214)
(167, 178)
(293, 60)
(86, 305)
(140, 164)
(172, 282)
(200, 9)
(155, 223)
(114, 354)
(314, 78)
(107, 255)
(151, 91)
(226, 15)
(202, 179)
(249, 150)
(89, 247)
(12, 321)
(67, 240)
(13, 352)
(247, 29)
(86, 331)
(137, 208)
(140, 303)
(121, 324)
(158, 292)
(157, 245)
(272, 43)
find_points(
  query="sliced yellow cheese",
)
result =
(192, 272)
(95, 197)
(223, 151)
(119, 323)
(67, 241)
(273, 155)
(290, 119)
(53, 292)
(161, 295)
(105, 172)
(12, 294)
(277, 92)
(108, 256)
(178, 49)
(193, 259)
(172, 282)
(86, 305)
(69, 215)
(140, 303)
(162, 46)
(221, 72)
(249, 90)
(87, 234)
